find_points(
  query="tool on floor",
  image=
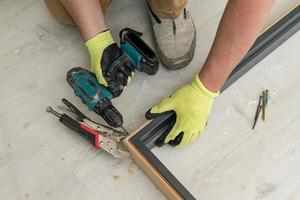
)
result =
(267, 97)
(265, 103)
(264, 97)
(258, 110)
(101, 136)
(94, 95)
(262, 104)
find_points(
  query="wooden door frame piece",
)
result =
(142, 141)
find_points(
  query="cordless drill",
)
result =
(94, 95)
(133, 54)
(136, 53)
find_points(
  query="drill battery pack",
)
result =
(143, 57)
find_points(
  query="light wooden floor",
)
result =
(41, 159)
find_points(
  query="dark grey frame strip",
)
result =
(264, 45)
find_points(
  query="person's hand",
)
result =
(108, 63)
(192, 104)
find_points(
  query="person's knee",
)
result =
(105, 4)
(59, 11)
(167, 8)
(61, 14)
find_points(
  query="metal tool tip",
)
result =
(124, 130)
(48, 109)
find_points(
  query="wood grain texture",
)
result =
(164, 186)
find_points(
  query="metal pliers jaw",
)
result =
(110, 140)
(101, 136)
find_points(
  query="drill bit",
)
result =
(124, 130)
(264, 105)
(258, 110)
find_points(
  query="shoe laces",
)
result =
(179, 22)
(155, 17)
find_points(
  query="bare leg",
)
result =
(88, 15)
(240, 25)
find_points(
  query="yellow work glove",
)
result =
(109, 65)
(192, 104)
(96, 46)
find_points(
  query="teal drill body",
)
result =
(95, 96)
(132, 54)
(88, 88)
(142, 56)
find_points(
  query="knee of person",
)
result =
(167, 8)
(56, 8)
(59, 12)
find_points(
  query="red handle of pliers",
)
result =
(88, 133)
(92, 132)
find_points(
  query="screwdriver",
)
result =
(265, 103)
(258, 110)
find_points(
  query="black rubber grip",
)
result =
(75, 126)
(149, 62)
(109, 113)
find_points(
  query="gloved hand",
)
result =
(111, 67)
(192, 104)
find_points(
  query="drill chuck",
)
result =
(109, 113)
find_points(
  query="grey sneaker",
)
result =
(175, 39)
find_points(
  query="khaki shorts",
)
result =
(164, 8)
